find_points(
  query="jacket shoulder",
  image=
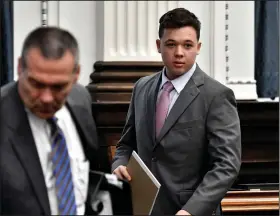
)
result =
(80, 92)
(146, 79)
(7, 89)
(214, 87)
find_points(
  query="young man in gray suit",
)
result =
(48, 137)
(183, 124)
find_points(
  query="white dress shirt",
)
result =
(78, 162)
(178, 83)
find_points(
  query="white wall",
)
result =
(76, 16)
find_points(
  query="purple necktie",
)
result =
(162, 106)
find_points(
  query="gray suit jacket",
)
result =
(22, 188)
(197, 155)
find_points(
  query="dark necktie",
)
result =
(162, 106)
(62, 171)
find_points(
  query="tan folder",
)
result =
(144, 186)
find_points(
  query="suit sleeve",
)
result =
(224, 149)
(127, 143)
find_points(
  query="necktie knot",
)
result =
(52, 120)
(53, 124)
(168, 86)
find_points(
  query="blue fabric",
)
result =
(62, 171)
(7, 75)
(267, 48)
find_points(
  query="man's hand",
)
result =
(122, 173)
(183, 212)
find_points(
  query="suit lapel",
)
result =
(151, 106)
(187, 95)
(25, 149)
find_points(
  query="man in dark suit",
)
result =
(183, 124)
(48, 138)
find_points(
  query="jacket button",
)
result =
(154, 159)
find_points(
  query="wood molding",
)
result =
(251, 201)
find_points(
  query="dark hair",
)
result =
(177, 18)
(53, 42)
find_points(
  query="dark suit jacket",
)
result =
(197, 155)
(23, 189)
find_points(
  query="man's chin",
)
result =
(44, 115)
(176, 74)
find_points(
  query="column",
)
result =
(233, 47)
(129, 29)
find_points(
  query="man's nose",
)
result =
(179, 51)
(47, 96)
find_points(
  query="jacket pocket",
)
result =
(188, 124)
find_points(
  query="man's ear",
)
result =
(158, 45)
(19, 66)
(198, 48)
(77, 73)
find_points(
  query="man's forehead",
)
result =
(184, 33)
(178, 40)
(47, 79)
(36, 62)
(35, 54)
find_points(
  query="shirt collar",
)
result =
(180, 82)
